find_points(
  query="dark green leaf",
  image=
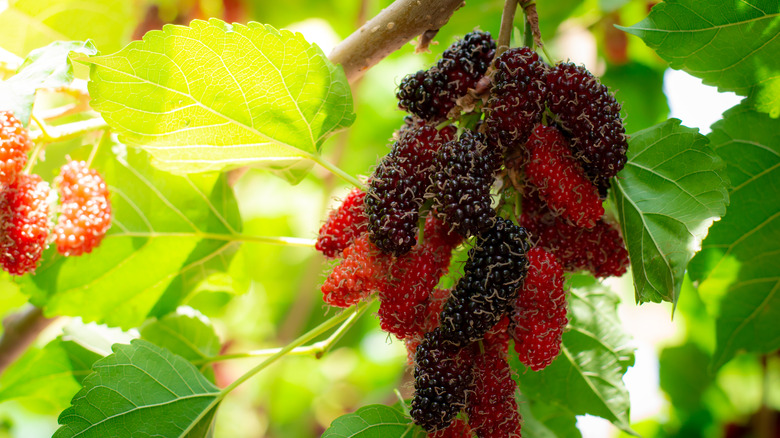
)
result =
(215, 96)
(670, 192)
(168, 234)
(374, 421)
(587, 376)
(29, 24)
(50, 374)
(741, 255)
(731, 44)
(141, 390)
(45, 67)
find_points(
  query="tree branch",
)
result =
(20, 330)
(396, 25)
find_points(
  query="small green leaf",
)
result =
(141, 390)
(544, 421)
(190, 336)
(670, 192)
(26, 25)
(214, 96)
(168, 233)
(587, 376)
(374, 421)
(50, 374)
(46, 67)
(741, 255)
(731, 44)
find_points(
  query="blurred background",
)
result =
(272, 293)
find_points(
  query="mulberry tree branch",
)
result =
(20, 330)
(387, 32)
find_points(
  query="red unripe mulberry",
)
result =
(560, 179)
(539, 312)
(343, 226)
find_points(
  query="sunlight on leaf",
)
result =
(168, 234)
(730, 44)
(740, 256)
(29, 24)
(214, 96)
(670, 192)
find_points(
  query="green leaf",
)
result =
(731, 44)
(29, 24)
(215, 96)
(168, 234)
(190, 336)
(544, 421)
(587, 376)
(374, 421)
(141, 390)
(45, 67)
(670, 192)
(51, 374)
(740, 256)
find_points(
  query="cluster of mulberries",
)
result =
(431, 94)
(397, 188)
(589, 113)
(25, 205)
(558, 135)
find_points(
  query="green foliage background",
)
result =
(261, 296)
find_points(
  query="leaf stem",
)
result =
(336, 170)
(68, 130)
(317, 349)
(347, 317)
(274, 240)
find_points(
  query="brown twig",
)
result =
(387, 32)
(20, 330)
(507, 24)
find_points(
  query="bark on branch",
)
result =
(20, 330)
(396, 25)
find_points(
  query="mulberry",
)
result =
(431, 94)
(359, 273)
(343, 225)
(560, 178)
(24, 211)
(14, 145)
(491, 403)
(517, 98)
(493, 274)
(600, 250)
(442, 375)
(85, 212)
(410, 280)
(591, 115)
(539, 313)
(461, 183)
(396, 190)
(456, 429)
